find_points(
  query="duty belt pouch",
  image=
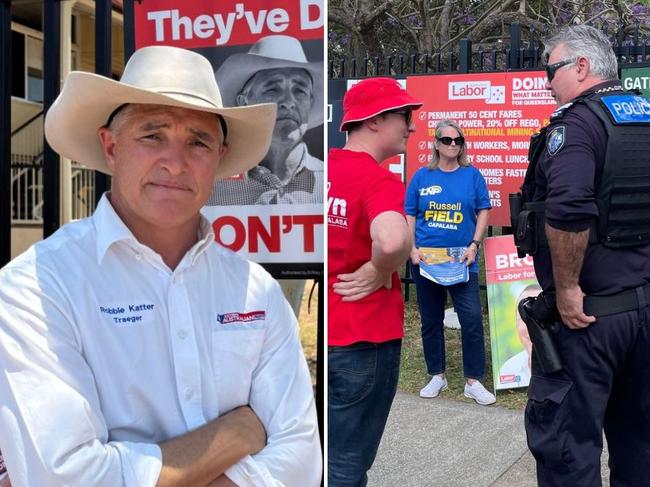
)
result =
(529, 232)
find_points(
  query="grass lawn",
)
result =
(413, 372)
(308, 321)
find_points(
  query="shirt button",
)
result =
(182, 334)
(174, 280)
(138, 256)
(188, 392)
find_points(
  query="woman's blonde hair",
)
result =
(462, 155)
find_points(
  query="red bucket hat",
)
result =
(373, 96)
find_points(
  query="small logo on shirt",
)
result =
(337, 210)
(431, 190)
(234, 317)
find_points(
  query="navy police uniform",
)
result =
(605, 382)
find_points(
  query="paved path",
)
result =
(441, 442)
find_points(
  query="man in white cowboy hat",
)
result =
(275, 69)
(133, 350)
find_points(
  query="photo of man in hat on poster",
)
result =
(276, 69)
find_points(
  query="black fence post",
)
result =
(320, 359)
(5, 131)
(465, 56)
(129, 29)
(103, 66)
(515, 44)
(51, 76)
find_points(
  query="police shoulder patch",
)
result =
(555, 140)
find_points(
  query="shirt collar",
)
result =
(296, 156)
(611, 83)
(205, 239)
(111, 229)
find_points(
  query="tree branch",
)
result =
(485, 14)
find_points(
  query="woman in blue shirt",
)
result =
(447, 205)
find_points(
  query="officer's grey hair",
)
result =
(462, 155)
(586, 41)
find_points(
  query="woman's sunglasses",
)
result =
(552, 68)
(448, 140)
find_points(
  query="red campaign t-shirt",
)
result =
(359, 190)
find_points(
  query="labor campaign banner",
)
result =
(509, 280)
(498, 113)
(262, 51)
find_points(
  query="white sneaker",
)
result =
(435, 386)
(479, 393)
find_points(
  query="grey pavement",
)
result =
(441, 442)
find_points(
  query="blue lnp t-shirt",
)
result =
(445, 206)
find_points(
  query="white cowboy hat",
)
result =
(276, 51)
(159, 75)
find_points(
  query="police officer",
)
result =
(589, 182)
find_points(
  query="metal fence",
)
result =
(464, 59)
(27, 177)
(27, 192)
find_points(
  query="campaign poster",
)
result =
(509, 280)
(498, 113)
(262, 51)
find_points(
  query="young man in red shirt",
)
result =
(368, 240)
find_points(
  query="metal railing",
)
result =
(83, 191)
(26, 191)
(26, 171)
(27, 177)
(463, 58)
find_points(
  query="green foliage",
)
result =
(361, 28)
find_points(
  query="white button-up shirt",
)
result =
(106, 352)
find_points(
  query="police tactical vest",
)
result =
(622, 186)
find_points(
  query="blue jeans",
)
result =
(362, 381)
(467, 303)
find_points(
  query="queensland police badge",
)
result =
(555, 140)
